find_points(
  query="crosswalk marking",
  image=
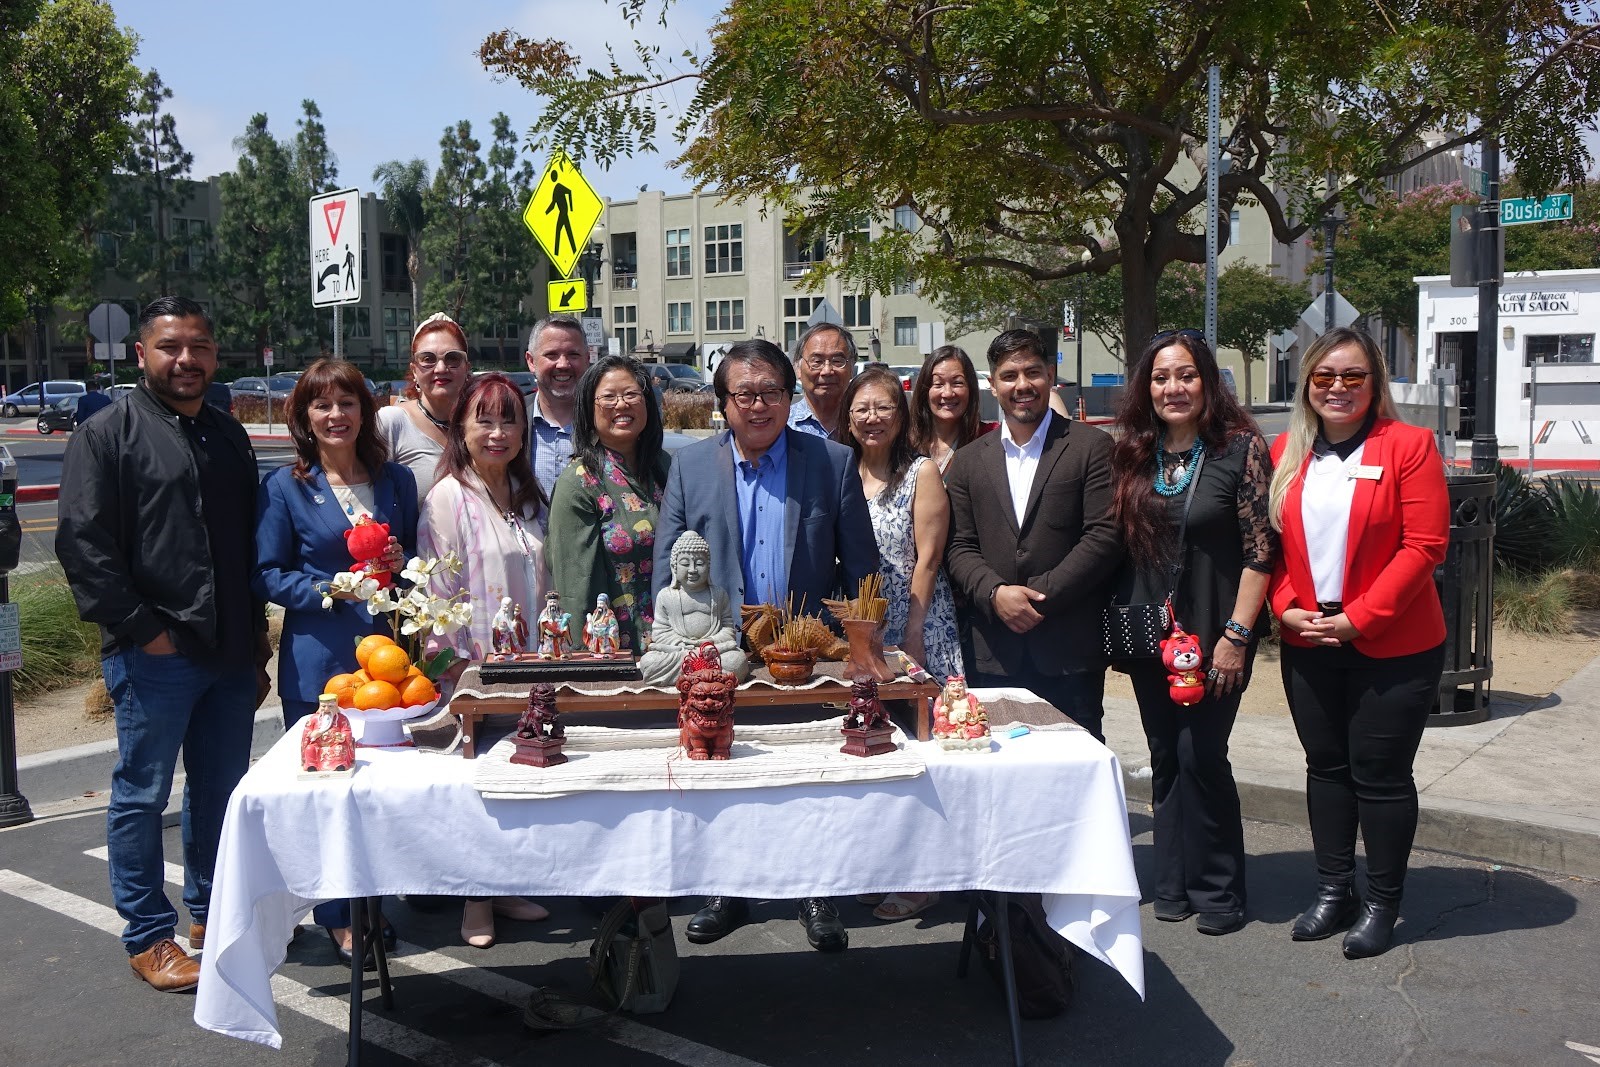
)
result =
(508, 990)
(1589, 1051)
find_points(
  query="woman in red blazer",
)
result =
(1361, 503)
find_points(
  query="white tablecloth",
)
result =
(1045, 813)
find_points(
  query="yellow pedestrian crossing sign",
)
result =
(567, 297)
(561, 212)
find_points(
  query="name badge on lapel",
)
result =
(1367, 472)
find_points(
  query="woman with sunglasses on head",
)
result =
(415, 428)
(1361, 502)
(606, 503)
(1190, 474)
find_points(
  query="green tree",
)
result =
(151, 184)
(451, 206)
(67, 83)
(1024, 132)
(1252, 306)
(504, 255)
(403, 185)
(260, 268)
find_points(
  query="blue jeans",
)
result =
(164, 703)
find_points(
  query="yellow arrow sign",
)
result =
(561, 212)
(567, 297)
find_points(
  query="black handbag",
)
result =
(1135, 631)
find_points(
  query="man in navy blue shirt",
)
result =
(89, 403)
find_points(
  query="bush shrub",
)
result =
(1533, 604)
(1575, 521)
(687, 411)
(58, 648)
(1522, 523)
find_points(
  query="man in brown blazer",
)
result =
(1032, 543)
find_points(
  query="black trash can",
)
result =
(1466, 590)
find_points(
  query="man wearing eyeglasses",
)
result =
(786, 520)
(1032, 542)
(825, 357)
(558, 354)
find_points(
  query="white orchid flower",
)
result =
(327, 603)
(380, 602)
(418, 571)
(416, 622)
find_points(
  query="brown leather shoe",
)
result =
(197, 936)
(167, 967)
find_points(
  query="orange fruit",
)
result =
(338, 682)
(414, 672)
(388, 663)
(376, 696)
(347, 696)
(416, 691)
(370, 642)
(361, 677)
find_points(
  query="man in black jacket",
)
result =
(157, 537)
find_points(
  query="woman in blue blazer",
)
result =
(340, 474)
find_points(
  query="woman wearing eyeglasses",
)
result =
(1190, 475)
(606, 503)
(415, 428)
(1361, 502)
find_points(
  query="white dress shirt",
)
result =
(1325, 501)
(1022, 461)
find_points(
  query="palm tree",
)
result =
(401, 185)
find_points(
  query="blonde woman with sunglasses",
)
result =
(1360, 501)
(415, 428)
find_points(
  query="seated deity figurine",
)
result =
(555, 628)
(688, 611)
(600, 628)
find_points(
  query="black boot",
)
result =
(1372, 932)
(1336, 908)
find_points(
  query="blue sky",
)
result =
(388, 77)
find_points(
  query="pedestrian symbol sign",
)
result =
(561, 212)
(336, 248)
(568, 297)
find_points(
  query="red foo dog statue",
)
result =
(705, 705)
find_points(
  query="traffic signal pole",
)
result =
(1485, 445)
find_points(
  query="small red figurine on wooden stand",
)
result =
(540, 735)
(867, 728)
(705, 705)
(327, 746)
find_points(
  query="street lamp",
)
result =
(875, 346)
(1330, 227)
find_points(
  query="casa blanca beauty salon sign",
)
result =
(1539, 302)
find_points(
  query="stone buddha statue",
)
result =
(689, 611)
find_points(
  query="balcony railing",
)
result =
(797, 269)
(624, 281)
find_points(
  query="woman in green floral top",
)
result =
(604, 509)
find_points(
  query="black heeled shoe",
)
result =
(1336, 907)
(1373, 931)
(370, 963)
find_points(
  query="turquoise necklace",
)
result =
(1185, 471)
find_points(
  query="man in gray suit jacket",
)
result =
(1032, 542)
(786, 518)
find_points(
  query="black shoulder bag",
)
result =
(1134, 631)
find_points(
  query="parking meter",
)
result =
(10, 527)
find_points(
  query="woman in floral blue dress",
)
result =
(604, 509)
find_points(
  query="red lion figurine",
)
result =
(368, 541)
(1180, 652)
(705, 705)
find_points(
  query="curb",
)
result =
(83, 770)
(1558, 845)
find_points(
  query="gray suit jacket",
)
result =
(828, 540)
(1066, 547)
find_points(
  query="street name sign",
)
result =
(336, 248)
(567, 297)
(561, 213)
(1524, 209)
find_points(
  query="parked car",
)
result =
(219, 395)
(59, 415)
(33, 398)
(121, 388)
(279, 386)
(676, 378)
(525, 380)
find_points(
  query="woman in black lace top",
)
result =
(1179, 425)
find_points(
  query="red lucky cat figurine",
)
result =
(368, 541)
(1180, 652)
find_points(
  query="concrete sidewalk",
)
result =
(1522, 788)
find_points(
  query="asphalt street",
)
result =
(1492, 966)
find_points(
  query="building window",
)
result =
(625, 326)
(796, 310)
(906, 219)
(1233, 228)
(904, 287)
(680, 317)
(107, 244)
(905, 331)
(680, 254)
(358, 322)
(725, 248)
(1559, 348)
(723, 316)
(393, 249)
(189, 244)
(397, 331)
(858, 312)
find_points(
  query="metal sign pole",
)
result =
(1213, 164)
(1485, 445)
(338, 331)
(1533, 399)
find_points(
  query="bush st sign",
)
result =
(1554, 208)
